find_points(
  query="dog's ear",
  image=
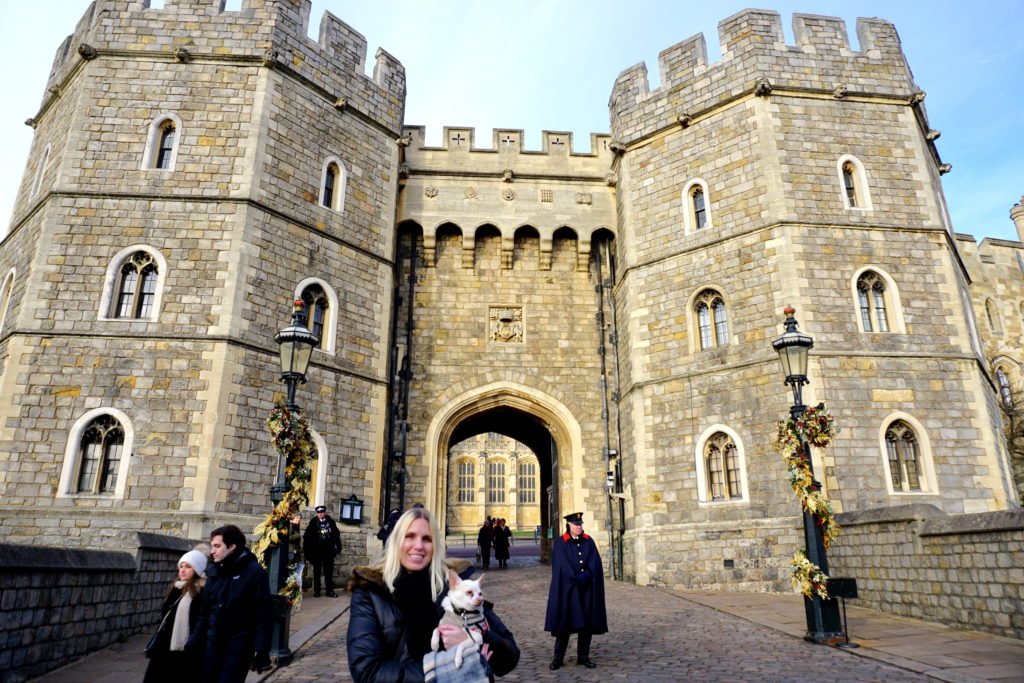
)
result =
(480, 578)
(453, 579)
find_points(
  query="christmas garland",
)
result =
(293, 442)
(815, 427)
(807, 577)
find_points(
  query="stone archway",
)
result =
(517, 411)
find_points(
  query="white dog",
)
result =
(463, 607)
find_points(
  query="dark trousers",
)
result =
(326, 565)
(485, 555)
(582, 645)
(231, 666)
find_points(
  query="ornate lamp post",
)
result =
(296, 344)
(793, 347)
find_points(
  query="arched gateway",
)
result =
(529, 416)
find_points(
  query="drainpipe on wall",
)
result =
(605, 417)
(617, 491)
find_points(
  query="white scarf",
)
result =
(179, 633)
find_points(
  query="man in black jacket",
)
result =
(321, 543)
(235, 618)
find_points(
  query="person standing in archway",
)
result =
(576, 596)
(484, 539)
(500, 540)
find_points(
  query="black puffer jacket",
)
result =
(377, 649)
(235, 613)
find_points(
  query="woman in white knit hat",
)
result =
(168, 660)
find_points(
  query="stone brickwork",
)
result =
(966, 571)
(61, 604)
(997, 295)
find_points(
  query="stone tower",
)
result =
(176, 201)
(803, 176)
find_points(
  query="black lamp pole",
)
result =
(823, 623)
(296, 344)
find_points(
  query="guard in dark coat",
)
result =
(576, 597)
(321, 544)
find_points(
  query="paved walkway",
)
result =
(656, 635)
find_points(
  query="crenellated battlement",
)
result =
(269, 33)
(755, 57)
(459, 150)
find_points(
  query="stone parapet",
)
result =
(59, 604)
(270, 33)
(460, 151)
(966, 571)
(756, 60)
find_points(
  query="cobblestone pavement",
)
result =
(654, 636)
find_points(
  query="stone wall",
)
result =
(60, 604)
(966, 571)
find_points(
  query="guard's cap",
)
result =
(321, 508)
(575, 518)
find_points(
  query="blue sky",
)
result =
(550, 66)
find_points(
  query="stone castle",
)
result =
(194, 171)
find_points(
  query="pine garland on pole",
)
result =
(293, 442)
(816, 427)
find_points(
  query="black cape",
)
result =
(573, 604)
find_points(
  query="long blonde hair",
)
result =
(391, 565)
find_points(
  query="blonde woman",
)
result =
(396, 605)
(168, 659)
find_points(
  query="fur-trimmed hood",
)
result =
(370, 577)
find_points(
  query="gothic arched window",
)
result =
(696, 206)
(853, 183)
(700, 217)
(165, 147)
(849, 185)
(871, 302)
(712, 319)
(317, 307)
(904, 457)
(37, 181)
(99, 456)
(136, 287)
(332, 185)
(467, 481)
(496, 482)
(722, 466)
(993, 317)
(162, 146)
(6, 292)
(527, 482)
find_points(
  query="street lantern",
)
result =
(352, 510)
(793, 347)
(296, 344)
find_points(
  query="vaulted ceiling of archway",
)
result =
(510, 422)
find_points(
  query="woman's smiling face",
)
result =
(417, 546)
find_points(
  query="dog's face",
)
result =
(465, 593)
